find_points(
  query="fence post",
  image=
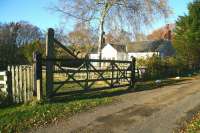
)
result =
(12, 70)
(49, 64)
(28, 83)
(87, 71)
(20, 85)
(132, 84)
(17, 93)
(38, 75)
(24, 84)
(9, 84)
(112, 73)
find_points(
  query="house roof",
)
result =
(119, 48)
(163, 46)
(142, 46)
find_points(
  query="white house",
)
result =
(111, 52)
(143, 49)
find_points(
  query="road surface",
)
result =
(161, 110)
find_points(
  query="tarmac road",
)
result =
(161, 110)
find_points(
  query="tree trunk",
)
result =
(101, 30)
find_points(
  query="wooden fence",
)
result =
(21, 83)
(3, 81)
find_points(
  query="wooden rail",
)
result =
(112, 72)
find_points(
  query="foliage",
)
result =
(27, 33)
(81, 35)
(8, 35)
(192, 126)
(161, 32)
(3, 98)
(140, 36)
(115, 13)
(81, 39)
(157, 67)
(187, 36)
(27, 50)
(12, 37)
(117, 36)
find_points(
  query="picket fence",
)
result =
(21, 83)
(3, 81)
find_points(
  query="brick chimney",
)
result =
(167, 33)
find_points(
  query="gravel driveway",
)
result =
(161, 110)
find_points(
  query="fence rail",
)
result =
(85, 73)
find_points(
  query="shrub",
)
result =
(157, 67)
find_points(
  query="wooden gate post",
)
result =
(87, 71)
(112, 73)
(132, 84)
(9, 86)
(49, 64)
(38, 76)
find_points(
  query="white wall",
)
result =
(121, 56)
(143, 55)
(109, 53)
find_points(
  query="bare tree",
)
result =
(81, 35)
(117, 36)
(27, 33)
(129, 14)
(14, 37)
(81, 38)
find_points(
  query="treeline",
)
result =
(186, 41)
(14, 38)
(18, 41)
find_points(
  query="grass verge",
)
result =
(193, 126)
(17, 118)
(20, 117)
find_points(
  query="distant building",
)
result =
(111, 52)
(142, 49)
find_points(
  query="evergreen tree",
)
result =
(187, 35)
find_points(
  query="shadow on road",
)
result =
(106, 92)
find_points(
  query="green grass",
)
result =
(17, 118)
(149, 85)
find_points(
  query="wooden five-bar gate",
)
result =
(68, 74)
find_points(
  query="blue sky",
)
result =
(37, 13)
